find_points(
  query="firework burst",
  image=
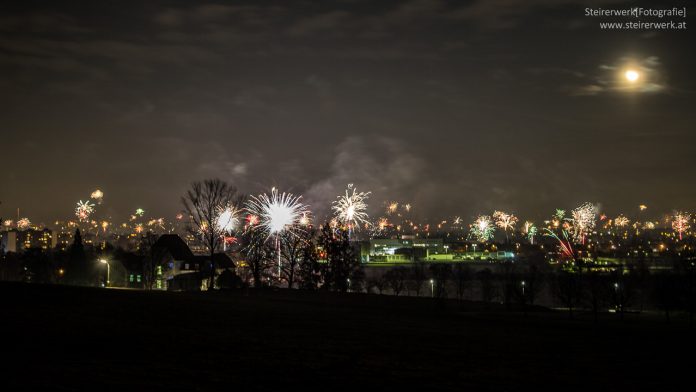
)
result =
(584, 220)
(680, 223)
(277, 212)
(83, 210)
(482, 228)
(97, 195)
(228, 219)
(530, 231)
(621, 221)
(23, 223)
(349, 209)
(564, 244)
(505, 221)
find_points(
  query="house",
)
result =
(180, 269)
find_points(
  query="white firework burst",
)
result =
(350, 208)
(83, 210)
(228, 219)
(482, 228)
(277, 212)
(584, 220)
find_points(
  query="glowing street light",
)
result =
(108, 270)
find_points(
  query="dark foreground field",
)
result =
(64, 338)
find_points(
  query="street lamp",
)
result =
(432, 288)
(108, 270)
(523, 286)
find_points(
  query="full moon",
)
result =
(631, 75)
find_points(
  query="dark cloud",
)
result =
(454, 107)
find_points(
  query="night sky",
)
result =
(456, 107)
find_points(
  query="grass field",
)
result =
(65, 338)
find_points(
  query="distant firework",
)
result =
(23, 223)
(483, 228)
(530, 231)
(564, 244)
(305, 220)
(505, 220)
(97, 195)
(83, 210)
(139, 212)
(392, 207)
(680, 223)
(350, 209)
(621, 221)
(584, 220)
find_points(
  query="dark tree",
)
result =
(152, 257)
(508, 282)
(532, 284)
(37, 266)
(293, 250)
(462, 277)
(485, 278)
(567, 289)
(417, 277)
(357, 280)
(396, 279)
(310, 270)
(258, 254)
(204, 203)
(622, 290)
(441, 273)
(666, 292)
(341, 257)
(78, 271)
(379, 283)
(596, 290)
(228, 279)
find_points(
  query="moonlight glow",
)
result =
(631, 75)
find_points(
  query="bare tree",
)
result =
(152, 257)
(309, 269)
(258, 254)
(417, 277)
(205, 202)
(485, 277)
(293, 250)
(396, 279)
(442, 273)
(567, 289)
(462, 276)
